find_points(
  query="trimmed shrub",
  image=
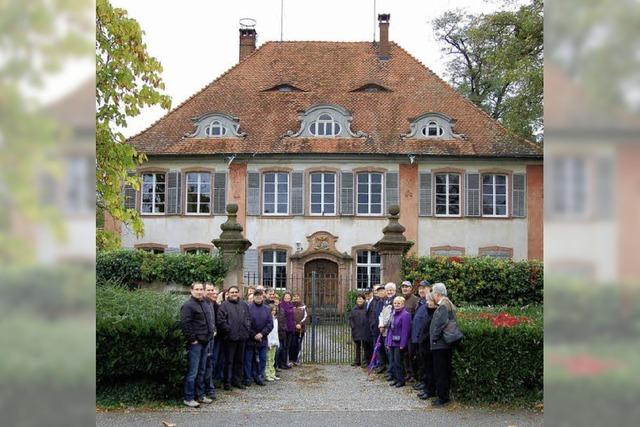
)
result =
(499, 363)
(481, 280)
(138, 337)
(131, 267)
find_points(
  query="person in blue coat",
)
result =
(255, 355)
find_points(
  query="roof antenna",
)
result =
(281, 19)
(374, 21)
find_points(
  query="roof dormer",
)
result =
(325, 121)
(371, 88)
(284, 87)
(216, 125)
(432, 126)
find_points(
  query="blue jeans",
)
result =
(210, 388)
(255, 363)
(194, 380)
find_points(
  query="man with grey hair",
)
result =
(440, 349)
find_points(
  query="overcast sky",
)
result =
(197, 40)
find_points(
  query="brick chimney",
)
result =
(384, 47)
(247, 42)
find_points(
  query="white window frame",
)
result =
(215, 124)
(368, 265)
(494, 195)
(432, 123)
(274, 263)
(276, 197)
(435, 194)
(568, 188)
(153, 194)
(336, 127)
(186, 195)
(382, 184)
(77, 190)
(200, 250)
(322, 193)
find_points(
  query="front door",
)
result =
(326, 283)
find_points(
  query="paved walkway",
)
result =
(316, 395)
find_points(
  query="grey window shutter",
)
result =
(219, 193)
(472, 198)
(346, 193)
(173, 193)
(392, 190)
(519, 195)
(250, 267)
(297, 193)
(253, 193)
(425, 202)
(130, 195)
(605, 189)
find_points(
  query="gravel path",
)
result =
(316, 395)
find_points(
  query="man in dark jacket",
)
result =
(198, 327)
(411, 305)
(210, 296)
(428, 385)
(440, 350)
(235, 325)
(255, 353)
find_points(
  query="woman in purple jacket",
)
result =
(398, 339)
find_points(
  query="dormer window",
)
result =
(215, 128)
(325, 121)
(432, 129)
(216, 125)
(283, 87)
(325, 125)
(432, 125)
(371, 88)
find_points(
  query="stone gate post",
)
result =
(391, 248)
(232, 246)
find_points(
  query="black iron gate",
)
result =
(328, 335)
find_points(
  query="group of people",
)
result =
(402, 337)
(236, 343)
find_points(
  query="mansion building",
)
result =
(314, 141)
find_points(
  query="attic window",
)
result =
(371, 88)
(215, 128)
(284, 88)
(325, 125)
(432, 129)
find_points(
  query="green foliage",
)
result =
(498, 62)
(499, 364)
(480, 280)
(107, 240)
(138, 337)
(127, 79)
(132, 267)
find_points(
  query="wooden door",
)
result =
(326, 283)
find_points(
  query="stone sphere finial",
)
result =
(232, 208)
(394, 210)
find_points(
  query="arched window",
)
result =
(432, 129)
(324, 125)
(215, 128)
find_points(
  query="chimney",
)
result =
(247, 42)
(384, 48)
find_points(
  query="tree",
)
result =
(497, 62)
(127, 79)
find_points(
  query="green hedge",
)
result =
(138, 337)
(499, 364)
(481, 280)
(132, 267)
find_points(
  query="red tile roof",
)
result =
(328, 72)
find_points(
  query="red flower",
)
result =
(504, 319)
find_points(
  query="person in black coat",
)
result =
(198, 327)
(360, 331)
(368, 345)
(428, 388)
(255, 355)
(235, 325)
